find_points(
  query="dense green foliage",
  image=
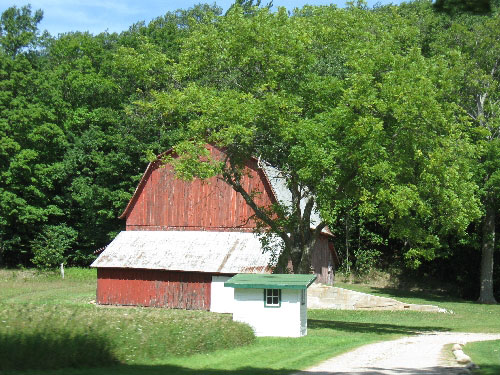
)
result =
(71, 149)
(384, 119)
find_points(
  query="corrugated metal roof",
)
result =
(276, 281)
(284, 195)
(214, 252)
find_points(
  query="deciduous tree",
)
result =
(342, 103)
(477, 65)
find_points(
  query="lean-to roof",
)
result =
(275, 281)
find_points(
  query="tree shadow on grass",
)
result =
(437, 296)
(44, 350)
(177, 370)
(155, 370)
(488, 370)
(65, 353)
(355, 327)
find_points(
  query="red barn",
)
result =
(184, 239)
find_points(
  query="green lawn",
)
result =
(34, 298)
(466, 316)
(486, 354)
(78, 288)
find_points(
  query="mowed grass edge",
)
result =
(485, 354)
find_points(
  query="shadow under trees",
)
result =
(355, 327)
(54, 350)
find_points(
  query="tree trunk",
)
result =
(488, 248)
(305, 261)
(282, 263)
(296, 256)
(348, 265)
(305, 266)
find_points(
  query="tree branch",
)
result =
(232, 178)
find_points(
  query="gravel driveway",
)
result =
(415, 355)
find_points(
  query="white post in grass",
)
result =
(62, 270)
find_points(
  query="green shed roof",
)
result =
(266, 281)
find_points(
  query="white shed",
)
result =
(273, 305)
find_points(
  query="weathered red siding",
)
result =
(182, 290)
(164, 202)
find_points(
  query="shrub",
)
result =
(50, 245)
(366, 260)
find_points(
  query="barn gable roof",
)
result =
(212, 252)
(273, 177)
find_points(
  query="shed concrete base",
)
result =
(328, 297)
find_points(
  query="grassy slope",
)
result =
(330, 331)
(486, 354)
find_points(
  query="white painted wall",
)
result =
(221, 297)
(289, 320)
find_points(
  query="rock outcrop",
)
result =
(329, 297)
